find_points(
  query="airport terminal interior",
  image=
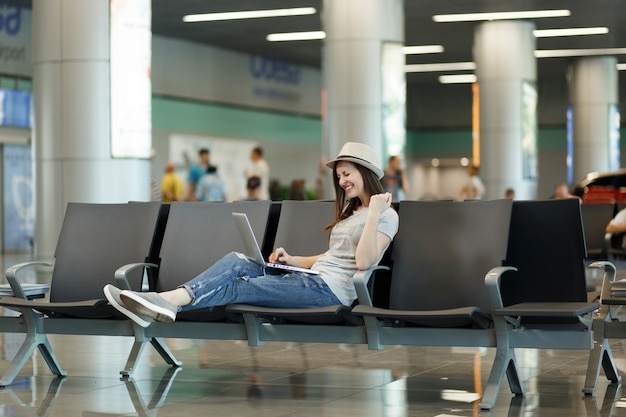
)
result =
(219, 89)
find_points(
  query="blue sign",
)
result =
(10, 20)
(569, 121)
(262, 68)
(19, 210)
(15, 107)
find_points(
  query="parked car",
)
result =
(605, 187)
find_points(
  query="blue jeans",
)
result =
(238, 279)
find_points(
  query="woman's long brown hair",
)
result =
(343, 208)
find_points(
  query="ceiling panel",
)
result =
(420, 29)
(457, 38)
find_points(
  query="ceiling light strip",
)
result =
(422, 49)
(559, 53)
(552, 33)
(460, 66)
(447, 66)
(556, 53)
(295, 36)
(457, 79)
(249, 14)
(473, 17)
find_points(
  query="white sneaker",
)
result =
(149, 304)
(112, 294)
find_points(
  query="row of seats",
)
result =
(496, 274)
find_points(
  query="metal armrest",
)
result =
(361, 279)
(610, 272)
(492, 281)
(121, 274)
(11, 276)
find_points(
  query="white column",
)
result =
(359, 33)
(506, 71)
(593, 96)
(72, 149)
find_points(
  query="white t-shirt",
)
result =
(475, 188)
(338, 265)
(261, 169)
(620, 218)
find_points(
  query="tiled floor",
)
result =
(226, 378)
(280, 379)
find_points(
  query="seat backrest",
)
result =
(547, 246)
(595, 218)
(301, 226)
(155, 248)
(270, 230)
(443, 250)
(199, 234)
(94, 241)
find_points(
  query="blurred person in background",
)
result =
(296, 190)
(210, 186)
(394, 181)
(172, 187)
(474, 189)
(261, 169)
(562, 191)
(253, 185)
(196, 171)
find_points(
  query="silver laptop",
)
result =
(252, 247)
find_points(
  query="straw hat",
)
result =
(361, 154)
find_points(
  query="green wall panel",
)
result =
(206, 118)
(188, 116)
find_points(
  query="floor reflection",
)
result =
(305, 380)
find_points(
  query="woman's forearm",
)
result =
(369, 248)
(615, 228)
(303, 261)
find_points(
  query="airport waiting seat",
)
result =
(545, 301)
(441, 255)
(198, 235)
(95, 240)
(195, 237)
(547, 246)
